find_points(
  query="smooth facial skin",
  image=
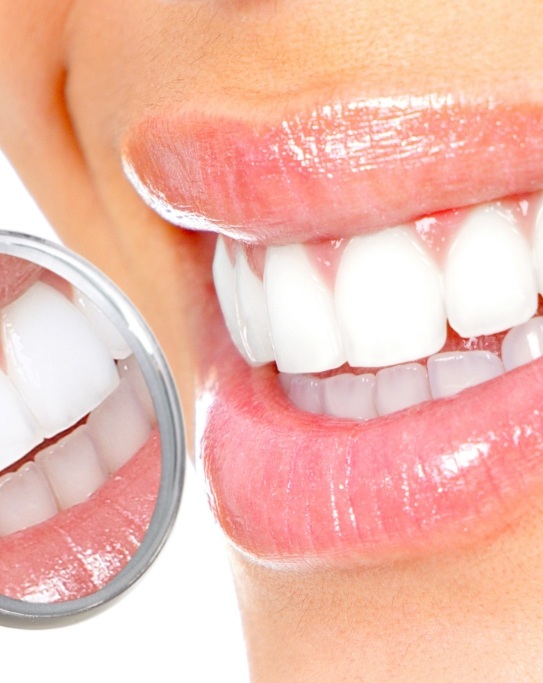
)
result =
(76, 77)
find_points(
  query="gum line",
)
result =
(385, 298)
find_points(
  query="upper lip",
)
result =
(336, 170)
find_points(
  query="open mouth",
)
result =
(385, 395)
(78, 431)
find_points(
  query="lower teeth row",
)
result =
(71, 470)
(369, 395)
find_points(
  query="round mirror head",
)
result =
(91, 438)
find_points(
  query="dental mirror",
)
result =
(91, 437)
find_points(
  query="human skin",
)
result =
(75, 78)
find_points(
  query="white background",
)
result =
(179, 623)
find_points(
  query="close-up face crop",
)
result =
(331, 216)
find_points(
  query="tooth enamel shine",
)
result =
(57, 364)
(389, 300)
(489, 276)
(303, 324)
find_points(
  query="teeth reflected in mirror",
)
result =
(81, 460)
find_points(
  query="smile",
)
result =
(381, 301)
(78, 430)
(376, 392)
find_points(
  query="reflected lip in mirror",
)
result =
(91, 481)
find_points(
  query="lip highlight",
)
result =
(288, 486)
(334, 171)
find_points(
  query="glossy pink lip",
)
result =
(286, 485)
(79, 550)
(336, 171)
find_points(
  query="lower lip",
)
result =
(287, 485)
(90, 542)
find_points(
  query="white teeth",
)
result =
(350, 396)
(301, 313)
(73, 468)
(19, 431)
(523, 344)
(389, 300)
(102, 326)
(400, 387)
(306, 393)
(252, 312)
(57, 364)
(489, 278)
(362, 397)
(130, 370)
(119, 427)
(25, 499)
(450, 373)
(224, 277)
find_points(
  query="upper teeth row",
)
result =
(58, 366)
(390, 302)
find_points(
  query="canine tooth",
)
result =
(523, 343)
(489, 278)
(102, 326)
(119, 427)
(130, 369)
(400, 387)
(306, 393)
(252, 312)
(25, 499)
(389, 299)
(73, 468)
(351, 396)
(56, 362)
(450, 373)
(304, 332)
(224, 277)
(19, 431)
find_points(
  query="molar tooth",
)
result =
(351, 396)
(400, 387)
(19, 431)
(224, 277)
(252, 312)
(304, 332)
(25, 499)
(523, 343)
(73, 468)
(489, 277)
(450, 373)
(57, 364)
(389, 299)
